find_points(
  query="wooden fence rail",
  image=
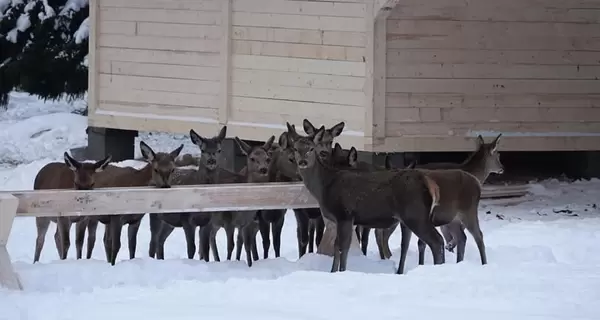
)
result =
(109, 201)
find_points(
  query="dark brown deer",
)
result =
(209, 171)
(375, 199)
(309, 221)
(67, 175)
(481, 163)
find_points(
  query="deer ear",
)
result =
(147, 152)
(352, 157)
(337, 129)
(337, 149)
(319, 135)
(283, 140)
(308, 127)
(71, 163)
(222, 133)
(102, 164)
(292, 134)
(495, 143)
(480, 141)
(176, 152)
(269, 143)
(243, 146)
(196, 138)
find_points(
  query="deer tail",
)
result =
(434, 190)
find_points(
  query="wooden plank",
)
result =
(151, 122)
(504, 57)
(301, 36)
(518, 4)
(493, 71)
(197, 5)
(157, 110)
(493, 86)
(397, 129)
(93, 61)
(295, 50)
(158, 43)
(117, 27)
(319, 111)
(509, 143)
(157, 29)
(471, 100)
(520, 114)
(379, 77)
(161, 57)
(159, 84)
(511, 42)
(485, 29)
(162, 71)
(296, 79)
(226, 64)
(322, 9)
(160, 15)
(8, 210)
(154, 97)
(485, 11)
(342, 68)
(298, 22)
(352, 98)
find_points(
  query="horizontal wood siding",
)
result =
(298, 59)
(158, 59)
(529, 69)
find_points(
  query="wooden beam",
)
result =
(8, 210)
(92, 100)
(383, 8)
(225, 54)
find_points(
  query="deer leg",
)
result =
(387, 233)
(247, 233)
(319, 230)
(459, 239)
(190, 238)
(132, 232)
(277, 229)
(428, 235)
(358, 230)
(364, 239)
(344, 236)
(92, 227)
(205, 234)
(254, 247)
(229, 230)
(447, 234)
(155, 226)
(422, 246)
(63, 226)
(312, 228)
(41, 224)
(165, 232)
(471, 222)
(107, 242)
(405, 242)
(378, 241)
(238, 245)
(265, 228)
(213, 243)
(80, 227)
(302, 224)
(116, 226)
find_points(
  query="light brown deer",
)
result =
(481, 163)
(67, 175)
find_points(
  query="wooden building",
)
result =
(411, 75)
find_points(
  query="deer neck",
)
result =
(209, 176)
(145, 173)
(316, 178)
(475, 165)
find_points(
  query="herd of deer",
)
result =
(350, 194)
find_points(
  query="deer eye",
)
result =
(252, 159)
(268, 160)
(311, 149)
(219, 151)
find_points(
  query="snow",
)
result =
(48, 11)
(83, 31)
(74, 5)
(543, 253)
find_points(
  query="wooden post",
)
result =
(8, 212)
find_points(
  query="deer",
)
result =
(209, 171)
(310, 224)
(65, 175)
(259, 169)
(376, 199)
(348, 159)
(481, 163)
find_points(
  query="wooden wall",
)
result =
(527, 68)
(172, 65)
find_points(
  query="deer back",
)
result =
(54, 175)
(121, 177)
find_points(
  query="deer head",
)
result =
(83, 178)
(305, 149)
(258, 159)
(323, 148)
(211, 148)
(343, 158)
(285, 160)
(163, 164)
(491, 155)
(328, 136)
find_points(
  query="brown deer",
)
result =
(481, 163)
(209, 171)
(59, 175)
(375, 199)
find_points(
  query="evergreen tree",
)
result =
(43, 48)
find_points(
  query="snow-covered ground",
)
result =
(543, 253)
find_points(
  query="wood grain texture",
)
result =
(8, 209)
